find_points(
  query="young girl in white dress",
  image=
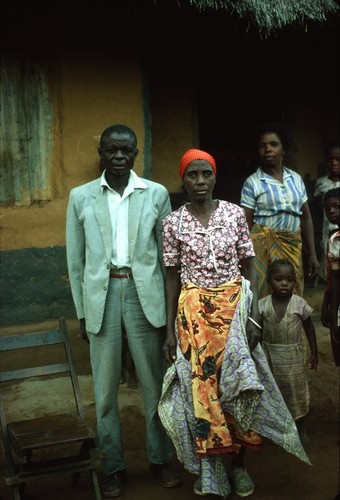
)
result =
(286, 318)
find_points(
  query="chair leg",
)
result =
(95, 482)
(22, 488)
(16, 489)
(75, 478)
(83, 454)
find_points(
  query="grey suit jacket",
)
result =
(89, 249)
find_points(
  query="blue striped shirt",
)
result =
(275, 204)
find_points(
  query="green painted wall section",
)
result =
(34, 285)
(26, 142)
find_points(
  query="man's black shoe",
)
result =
(166, 476)
(113, 485)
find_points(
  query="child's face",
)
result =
(333, 163)
(282, 281)
(332, 210)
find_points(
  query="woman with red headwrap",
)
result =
(218, 394)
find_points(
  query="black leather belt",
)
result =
(121, 276)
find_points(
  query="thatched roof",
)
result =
(271, 15)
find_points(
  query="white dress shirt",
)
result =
(119, 214)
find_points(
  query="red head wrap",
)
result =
(195, 154)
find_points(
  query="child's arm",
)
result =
(325, 315)
(325, 319)
(260, 317)
(334, 303)
(311, 337)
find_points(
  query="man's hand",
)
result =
(82, 327)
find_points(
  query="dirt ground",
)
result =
(277, 474)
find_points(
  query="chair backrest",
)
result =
(39, 356)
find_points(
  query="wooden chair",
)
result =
(45, 446)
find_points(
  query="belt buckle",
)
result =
(120, 275)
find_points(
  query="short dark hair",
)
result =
(332, 193)
(329, 146)
(119, 129)
(274, 264)
(278, 128)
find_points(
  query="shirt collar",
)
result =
(265, 176)
(135, 182)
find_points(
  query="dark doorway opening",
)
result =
(252, 80)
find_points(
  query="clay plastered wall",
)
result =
(97, 91)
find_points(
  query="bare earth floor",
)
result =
(277, 474)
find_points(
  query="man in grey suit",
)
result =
(114, 258)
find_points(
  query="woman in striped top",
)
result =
(275, 202)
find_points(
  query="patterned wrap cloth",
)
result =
(202, 338)
(247, 391)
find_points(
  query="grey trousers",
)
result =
(123, 308)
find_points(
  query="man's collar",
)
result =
(134, 182)
(137, 181)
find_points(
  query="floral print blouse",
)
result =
(207, 257)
